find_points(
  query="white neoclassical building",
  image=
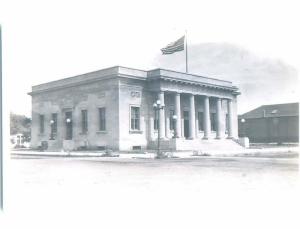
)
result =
(113, 108)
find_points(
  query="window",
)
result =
(172, 121)
(102, 119)
(84, 121)
(213, 120)
(69, 125)
(42, 124)
(200, 121)
(156, 113)
(135, 118)
(53, 124)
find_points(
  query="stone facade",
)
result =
(113, 108)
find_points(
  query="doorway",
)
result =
(186, 124)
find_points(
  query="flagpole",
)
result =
(186, 53)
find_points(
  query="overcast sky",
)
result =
(255, 44)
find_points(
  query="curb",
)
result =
(268, 153)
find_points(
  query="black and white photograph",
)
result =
(150, 114)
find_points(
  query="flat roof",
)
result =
(119, 71)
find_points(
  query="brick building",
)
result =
(113, 108)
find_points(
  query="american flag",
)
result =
(175, 46)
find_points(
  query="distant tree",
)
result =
(20, 124)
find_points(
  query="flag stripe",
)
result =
(175, 46)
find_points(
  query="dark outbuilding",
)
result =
(276, 123)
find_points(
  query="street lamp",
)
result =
(157, 106)
(175, 125)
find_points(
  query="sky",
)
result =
(254, 44)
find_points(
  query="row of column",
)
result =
(192, 119)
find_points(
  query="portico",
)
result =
(221, 110)
(203, 107)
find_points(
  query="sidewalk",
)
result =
(264, 152)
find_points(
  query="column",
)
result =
(192, 120)
(162, 128)
(167, 124)
(182, 126)
(229, 110)
(206, 118)
(219, 118)
(178, 114)
(196, 127)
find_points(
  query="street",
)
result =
(110, 186)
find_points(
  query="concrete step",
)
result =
(196, 144)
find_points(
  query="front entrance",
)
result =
(186, 124)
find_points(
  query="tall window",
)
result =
(84, 121)
(156, 119)
(102, 119)
(53, 124)
(213, 121)
(69, 125)
(135, 118)
(200, 121)
(42, 123)
(172, 121)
